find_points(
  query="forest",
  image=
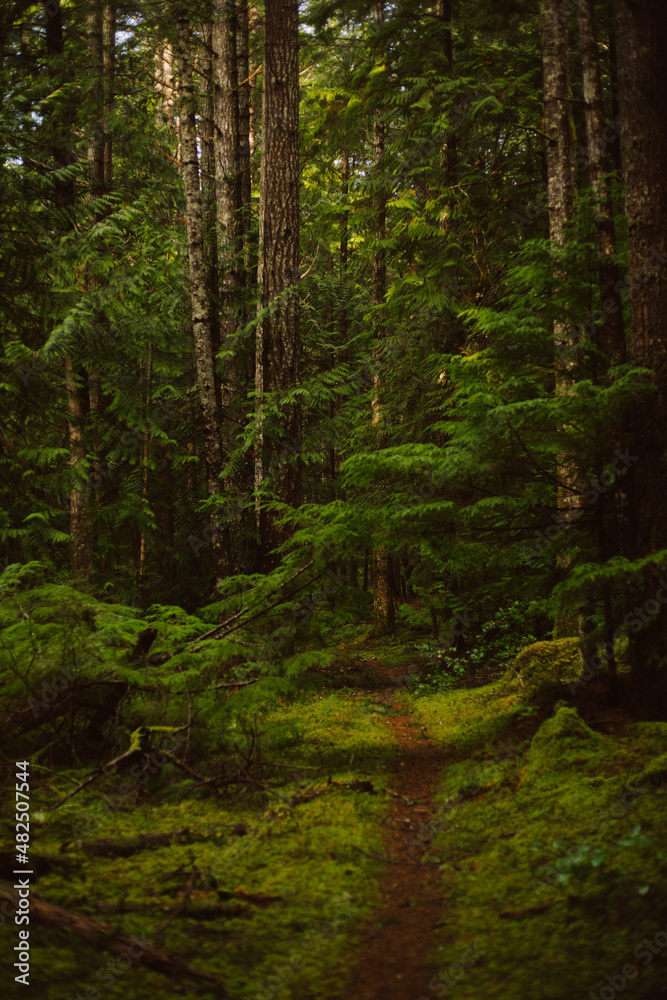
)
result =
(333, 465)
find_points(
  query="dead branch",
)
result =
(237, 684)
(212, 632)
(105, 847)
(116, 942)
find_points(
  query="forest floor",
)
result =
(402, 842)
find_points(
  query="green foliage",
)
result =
(489, 647)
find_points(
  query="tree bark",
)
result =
(96, 97)
(208, 187)
(609, 339)
(560, 162)
(244, 103)
(80, 528)
(613, 332)
(642, 38)
(227, 161)
(383, 605)
(558, 123)
(108, 71)
(201, 316)
(449, 157)
(277, 341)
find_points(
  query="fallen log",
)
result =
(116, 942)
(356, 785)
(105, 847)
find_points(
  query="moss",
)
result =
(542, 668)
(298, 944)
(331, 731)
(564, 744)
(656, 772)
(563, 809)
(465, 719)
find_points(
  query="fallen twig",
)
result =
(182, 905)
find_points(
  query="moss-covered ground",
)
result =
(548, 830)
(551, 836)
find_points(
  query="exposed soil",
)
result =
(394, 960)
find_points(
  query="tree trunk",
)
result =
(80, 527)
(613, 333)
(343, 322)
(559, 127)
(81, 539)
(277, 343)
(95, 93)
(244, 99)
(144, 459)
(108, 70)
(642, 38)
(558, 123)
(383, 605)
(610, 334)
(201, 317)
(449, 156)
(227, 157)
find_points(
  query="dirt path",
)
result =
(395, 950)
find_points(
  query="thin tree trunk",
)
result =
(277, 341)
(96, 95)
(208, 187)
(108, 71)
(383, 605)
(80, 527)
(612, 330)
(81, 540)
(344, 248)
(558, 123)
(560, 163)
(229, 147)
(145, 457)
(614, 335)
(249, 272)
(613, 86)
(449, 155)
(227, 165)
(201, 317)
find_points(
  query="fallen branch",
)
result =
(238, 684)
(116, 942)
(104, 847)
(139, 747)
(212, 632)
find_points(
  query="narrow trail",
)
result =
(394, 962)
